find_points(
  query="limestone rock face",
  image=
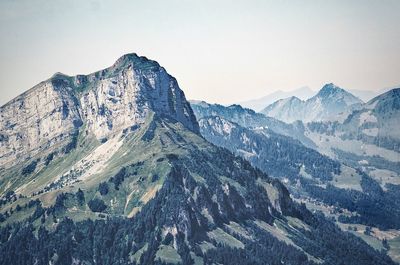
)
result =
(43, 118)
(104, 103)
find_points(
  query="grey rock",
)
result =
(48, 116)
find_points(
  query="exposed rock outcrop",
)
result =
(48, 116)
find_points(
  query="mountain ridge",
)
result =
(106, 101)
(328, 103)
(260, 103)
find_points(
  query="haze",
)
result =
(220, 51)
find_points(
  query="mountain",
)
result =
(52, 113)
(110, 168)
(329, 103)
(303, 93)
(287, 109)
(379, 117)
(366, 134)
(250, 119)
(351, 193)
(370, 133)
(344, 141)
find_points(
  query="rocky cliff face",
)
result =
(43, 118)
(104, 103)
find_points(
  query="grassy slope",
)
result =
(137, 189)
(133, 193)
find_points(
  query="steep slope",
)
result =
(345, 193)
(259, 104)
(277, 155)
(106, 102)
(191, 202)
(378, 118)
(330, 103)
(150, 190)
(46, 122)
(286, 109)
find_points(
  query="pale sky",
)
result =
(220, 51)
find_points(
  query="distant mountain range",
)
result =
(348, 169)
(303, 93)
(369, 131)
(329, 103)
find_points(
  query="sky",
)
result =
(219, 51)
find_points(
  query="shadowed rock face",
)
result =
(49, 115)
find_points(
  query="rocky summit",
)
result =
(48, 117)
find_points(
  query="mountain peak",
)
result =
(135, 61)
(330, 89)
(58, 75)
(106, 102)
(282, 102)
(259, 104)
(327, 104)
(331, 92)
(292, 99)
